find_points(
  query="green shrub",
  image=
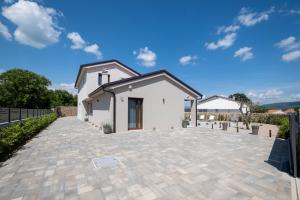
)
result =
(14, 136)
(268, 118)
(284, 128)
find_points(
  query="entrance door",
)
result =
(135, 113)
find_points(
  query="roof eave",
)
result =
(144, 76)
(102, 62)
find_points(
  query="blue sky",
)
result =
(218, 47)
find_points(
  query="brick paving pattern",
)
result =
(195, 163)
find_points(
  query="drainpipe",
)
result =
(114, 113)
(196, 111)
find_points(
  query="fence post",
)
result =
(27, 113)
(293, 143)
(9, 115)
(20, 114)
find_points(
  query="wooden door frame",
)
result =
(140, 114)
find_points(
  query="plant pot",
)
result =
(255, 129)
(225, 126)
(107, 129)
(185, 124)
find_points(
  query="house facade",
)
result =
(219, 104)
(110, 92)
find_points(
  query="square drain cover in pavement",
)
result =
(105, 161)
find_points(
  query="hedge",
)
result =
(268, 118)
(16, 135)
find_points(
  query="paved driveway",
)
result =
(181, 164)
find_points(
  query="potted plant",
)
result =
(184, 123)
(255, 129)
(107, 128)
(86, 118)
(225, 126)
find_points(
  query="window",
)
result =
(99, 79)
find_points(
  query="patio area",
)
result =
(193, 163)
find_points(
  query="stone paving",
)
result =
(196, 163)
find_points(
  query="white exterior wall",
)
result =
(90, 75)
(116, 73)
(220, 103)
(156, 114)
(82, 94)
(102, 110)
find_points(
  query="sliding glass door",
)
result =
(135, 113)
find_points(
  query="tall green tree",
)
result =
(23, 88)
(62, 98)
(240, 97)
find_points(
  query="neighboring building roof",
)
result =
(103, 62)
(213, 98)
(144, 76)
(290, 110)
(275, 111)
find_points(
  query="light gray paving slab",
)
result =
(194, 163)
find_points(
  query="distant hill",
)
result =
(283, 105)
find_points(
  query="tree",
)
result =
(240, 97)
(258, 109)
(62, 98)
(23, 88)
(246, 106)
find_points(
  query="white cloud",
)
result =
(291, 56)
(146, 57)
(228, 29)
(64, 86)
(270, 95)
(288, 44)
(5, 32)
(248, 18)
(185, 60)
(93, 49)
(223, 43)
(78, 42)
(295, 11)
(36, 26)
(297, 96)
(244, 53)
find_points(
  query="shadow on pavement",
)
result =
(279, 156)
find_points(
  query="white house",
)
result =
(219, 104)
(111, 92)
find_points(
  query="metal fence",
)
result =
(14, 115)
(294, 144)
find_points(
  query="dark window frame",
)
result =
(99, 79)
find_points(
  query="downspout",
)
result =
(196, 110)
(114, 113)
